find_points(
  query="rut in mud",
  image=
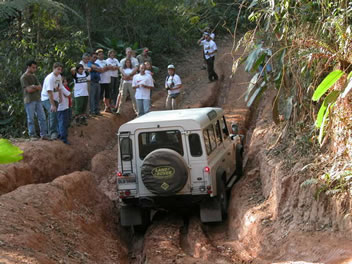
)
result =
(59, 204)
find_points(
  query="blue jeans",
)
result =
(94, 97)
(143, 106)
(52, 117)
(63, 118)
(36, 108)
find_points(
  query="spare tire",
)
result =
(164, 172)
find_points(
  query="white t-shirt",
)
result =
(51, 83)
(81, 87)
(113, 62)
(209, 46)
(146, 79)
(173, 81)
(85, 65)
(64, 104)
(127, 71)
(105, 77)
(134, 62)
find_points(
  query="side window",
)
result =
(225, 131)
(212, 137)
(218, 133)
(209, 139)
(126, 149)
(195, 145)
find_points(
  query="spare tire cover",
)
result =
(164, 172)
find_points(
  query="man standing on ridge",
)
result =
(210, 49)
(51, 97)
(33, 105)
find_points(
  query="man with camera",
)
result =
(173, 86)
(210, 49)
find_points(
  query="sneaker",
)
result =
(107, 110)
(45, 137)
(83, 121)
(54, 136)
(98, 114)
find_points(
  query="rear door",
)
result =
(152, 139)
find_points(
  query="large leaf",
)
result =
(9, 153)
(252, 85)
(347, 90)
(256, 94)
(322, 127)
(252, 58)
(288, 108)
(331, 98)
(325, 85)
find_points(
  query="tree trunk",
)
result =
(88, 24)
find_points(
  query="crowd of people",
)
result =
(99, 82)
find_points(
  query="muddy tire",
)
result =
(239, 160)
(164, 172)
(222, 197)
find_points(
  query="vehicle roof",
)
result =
(196, 118)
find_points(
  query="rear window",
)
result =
(150, 141)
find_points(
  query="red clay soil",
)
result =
(65, 221)
(45, 160)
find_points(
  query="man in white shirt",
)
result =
(173, 85)
(105, 79)
(210, 49)
(143, 83)
(51, 96)
(114, 73)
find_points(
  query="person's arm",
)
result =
(52, 102)
(149, 84)
(134, 83)
(65, 92)
(200, 40)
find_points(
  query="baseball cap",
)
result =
(171, 66)
(99, 50)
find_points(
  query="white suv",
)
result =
(178, 157)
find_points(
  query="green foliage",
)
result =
(9, 153)
(326, 84)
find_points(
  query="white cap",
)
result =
(171, 66)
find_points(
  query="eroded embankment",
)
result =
(272, 218)
(65, 221)
(45, 160)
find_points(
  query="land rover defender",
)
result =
(182, 156)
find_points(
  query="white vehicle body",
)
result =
(196, 137)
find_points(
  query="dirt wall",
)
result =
(58, 222)
(272, 217)
(45, 160)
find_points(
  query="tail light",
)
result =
(206, 169)
(127, 192)
(209, 191)
(119, 174)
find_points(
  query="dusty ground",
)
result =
(49, 218)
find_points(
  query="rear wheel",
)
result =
(222, 197)
(239, 160)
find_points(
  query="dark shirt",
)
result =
(28, 80)
(94, 75)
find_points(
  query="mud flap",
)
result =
(210, 211)
(131, 215)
